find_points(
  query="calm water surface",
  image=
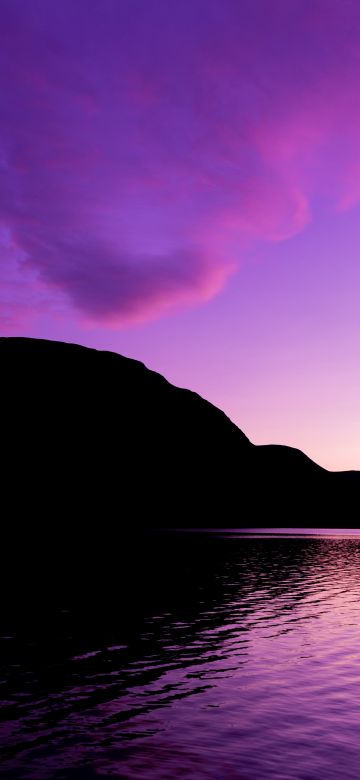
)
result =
(212, 657)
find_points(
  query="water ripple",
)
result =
(218, 658)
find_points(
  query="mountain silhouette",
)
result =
(95, 444)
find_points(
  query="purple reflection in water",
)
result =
(208, 658)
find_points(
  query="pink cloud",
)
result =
(142, 150)
(122, 289)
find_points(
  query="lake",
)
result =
(212, 656)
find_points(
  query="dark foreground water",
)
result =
(186, 657)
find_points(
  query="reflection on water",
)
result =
(204, 657)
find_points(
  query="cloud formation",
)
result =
(144, 146)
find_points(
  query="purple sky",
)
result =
(180, 182)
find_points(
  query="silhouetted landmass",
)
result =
(95, 444)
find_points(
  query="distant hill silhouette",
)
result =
(94, 443)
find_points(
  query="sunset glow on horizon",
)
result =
(180, 183)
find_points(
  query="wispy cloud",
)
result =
(143, 146)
